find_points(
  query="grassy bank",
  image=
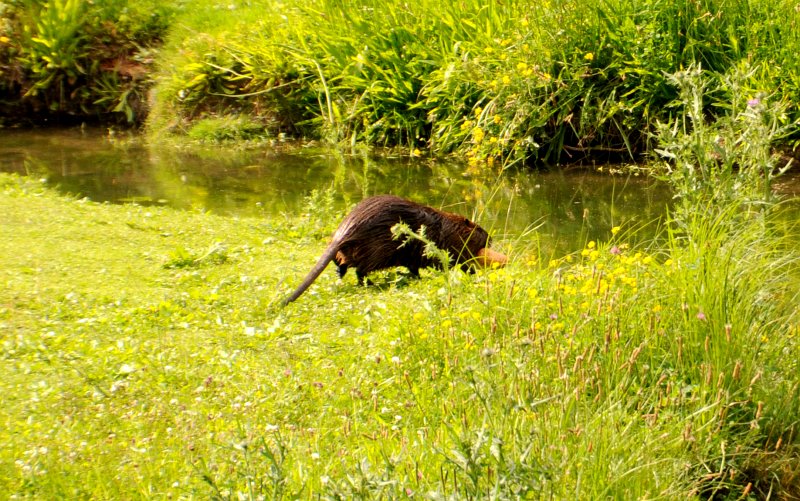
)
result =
(496, 84)
(143, 356)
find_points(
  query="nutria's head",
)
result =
(472, 241)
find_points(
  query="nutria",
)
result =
(364, 240)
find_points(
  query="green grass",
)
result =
(144, 355)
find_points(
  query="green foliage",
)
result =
(496, 83)
(402, 231)
(729, 162)
(68, 57)
(54, 41)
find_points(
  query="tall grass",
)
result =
(497, 83)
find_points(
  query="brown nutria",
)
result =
(364, 240)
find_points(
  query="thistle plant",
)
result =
(726, 160)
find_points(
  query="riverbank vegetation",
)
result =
(65, 61)
(162, 366)
(493, 83)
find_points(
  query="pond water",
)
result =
(567, 208)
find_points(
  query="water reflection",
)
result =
(569, 207)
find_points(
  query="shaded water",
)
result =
(568, 208)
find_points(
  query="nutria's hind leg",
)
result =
(341, 263)
(413, 271)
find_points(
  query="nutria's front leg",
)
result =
(413, 271)
(341, 269)
(361, 277)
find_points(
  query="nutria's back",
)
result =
(364, 239)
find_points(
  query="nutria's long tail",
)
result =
(322, 262)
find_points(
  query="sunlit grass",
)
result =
(616, 370)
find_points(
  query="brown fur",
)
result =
(364, 239)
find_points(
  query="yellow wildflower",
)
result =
(497, 119)
(522, 66)
(615, 230)
(506, 80)
(477, 135)
(589, 56)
